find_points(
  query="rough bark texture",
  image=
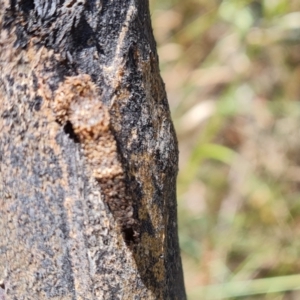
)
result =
(88, 154)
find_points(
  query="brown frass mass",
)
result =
(77, 101)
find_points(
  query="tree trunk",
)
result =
(88, 154)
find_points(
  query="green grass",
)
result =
(235, 289)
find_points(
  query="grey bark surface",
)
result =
(88, 154)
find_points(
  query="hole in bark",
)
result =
(26, 5)
(83, 35)
(68, 129)
(2, 285)
(128, 235)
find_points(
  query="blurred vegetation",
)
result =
(232, 73)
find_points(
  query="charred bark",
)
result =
(88, 154)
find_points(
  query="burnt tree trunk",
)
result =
(88, 154)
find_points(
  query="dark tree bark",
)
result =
(88, 154)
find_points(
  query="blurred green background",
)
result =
(232, 74)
